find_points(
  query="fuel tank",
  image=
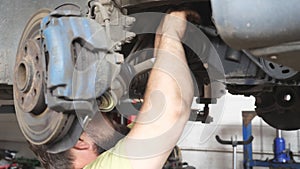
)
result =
(268, 28)
(248, 24)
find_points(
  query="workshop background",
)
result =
(201, 150)
(199, 146)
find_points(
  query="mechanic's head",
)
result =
(96, 138)
(82, 153)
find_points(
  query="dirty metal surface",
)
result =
(13, 18)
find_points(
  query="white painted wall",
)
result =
(207, 152)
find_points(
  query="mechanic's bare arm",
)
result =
(167, 100)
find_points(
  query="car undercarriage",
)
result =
(72, 62)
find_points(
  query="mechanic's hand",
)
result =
(174, 24)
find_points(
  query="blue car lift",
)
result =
(282, 158)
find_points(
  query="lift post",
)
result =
(281, 158)
(247, 133)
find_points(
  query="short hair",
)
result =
(62, 160)
(65, 159)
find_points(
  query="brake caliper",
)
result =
(66, 66)
(82, 62)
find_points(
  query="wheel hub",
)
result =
(38, 123)
(29, 82)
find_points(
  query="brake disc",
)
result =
(39, 124)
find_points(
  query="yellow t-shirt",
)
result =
(111, 159)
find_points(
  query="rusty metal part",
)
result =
(248, 116)
(39, 124)
(107, 102)
(29, 78)
(13, 18)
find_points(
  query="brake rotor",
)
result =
(39, 124)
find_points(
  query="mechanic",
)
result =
(160, 121)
